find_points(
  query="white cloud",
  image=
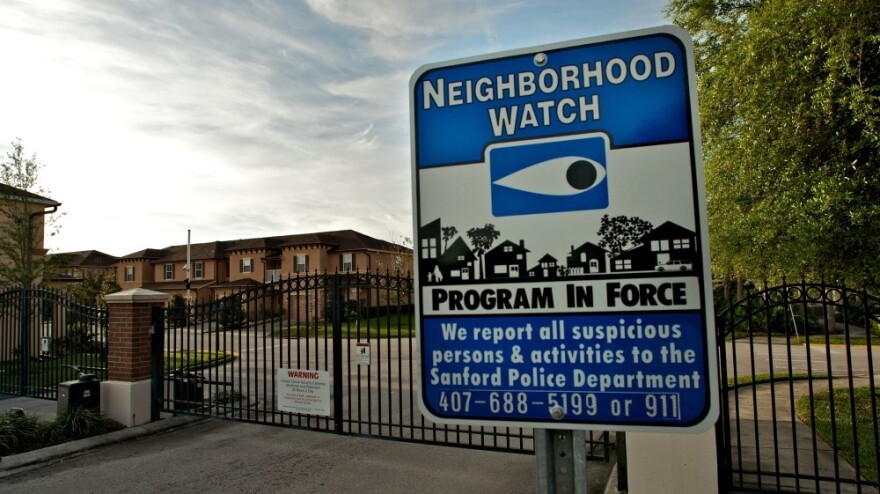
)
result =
(238, 119)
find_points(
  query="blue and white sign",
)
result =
(562, 258)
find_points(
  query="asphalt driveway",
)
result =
(223, 456)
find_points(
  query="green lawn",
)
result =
(381, 327)
(847, 434)
(192, 360)
(839, 339)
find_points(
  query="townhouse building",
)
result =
(221, 268)
(77, 266)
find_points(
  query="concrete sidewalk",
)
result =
(224, 456)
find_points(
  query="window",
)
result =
(129, 273)
(198, 269)
(246, 265)
(681, 243)
(500, 269)
(429, 248)
(508, 248)
(623, 264)
(659, 245)
(302, 264)
(347, 262)
(169, 271)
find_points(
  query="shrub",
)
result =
(19, 433)
(349, 311)
(227, 396)
(177, 316)
(81, 422)
(79, 338)
(232, 316)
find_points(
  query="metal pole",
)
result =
(337, 354)
(622, 472)
(25, 347)
(188, 268)
(562, 461)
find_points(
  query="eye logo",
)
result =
(549, 176)
(564, 176)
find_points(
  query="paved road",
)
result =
(223, 456)
(761, 354)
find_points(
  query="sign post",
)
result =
(562, 253)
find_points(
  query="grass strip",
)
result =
(853, 440)
(382, 327)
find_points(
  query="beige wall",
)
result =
(211, 270)
(317, 259)
(672, 462)
(258, 270)
(143, 273)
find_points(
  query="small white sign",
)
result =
(362, 354)
(304, 391)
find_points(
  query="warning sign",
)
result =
(304, 391)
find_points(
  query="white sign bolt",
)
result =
(540, 59)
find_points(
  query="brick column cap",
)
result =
(137, 295)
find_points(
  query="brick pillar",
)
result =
(125, 396)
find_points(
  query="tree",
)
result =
(400, 260)
(789, 96)
(620, 232)
(93, 288)
(482, 240)
(448, 233)
(24, 217)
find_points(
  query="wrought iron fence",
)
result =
(798, 403)
(222, 358)
(47, 338)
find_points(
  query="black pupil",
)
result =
(581, 174)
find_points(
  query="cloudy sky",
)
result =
(241, 119)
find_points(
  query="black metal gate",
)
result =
(798, 403)
(44, 337)
(222, 359)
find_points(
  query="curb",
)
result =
(13, 464)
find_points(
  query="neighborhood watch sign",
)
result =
(561, 248)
